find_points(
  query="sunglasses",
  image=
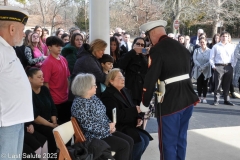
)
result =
(140, 44)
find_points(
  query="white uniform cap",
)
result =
(153, 24)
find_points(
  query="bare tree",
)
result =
(219, 12)
(5, 2)
(43, 14)
(53, 12)
(132, 13)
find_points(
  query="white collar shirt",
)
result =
(129, 45)
(15, 90)
(222, 54)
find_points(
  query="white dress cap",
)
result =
(153, 24)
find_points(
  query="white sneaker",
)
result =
(200, 100)
(204, 101)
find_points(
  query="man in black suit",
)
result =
(169, 62)
(194, 40)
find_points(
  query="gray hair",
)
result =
(82, 83)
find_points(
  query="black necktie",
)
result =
(127, 46)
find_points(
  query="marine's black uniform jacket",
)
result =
(168, 59)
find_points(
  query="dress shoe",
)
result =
(229, 103)
(215, 103)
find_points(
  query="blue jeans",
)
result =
(11, 142)
(172, 133)
(140, 147)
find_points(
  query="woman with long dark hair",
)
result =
(115, 51)
(34, 51)
(70, 51)
(39, 30)
(215, 39)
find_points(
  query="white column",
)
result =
(99, 21)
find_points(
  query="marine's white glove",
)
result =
(143, 108)
(161, 91)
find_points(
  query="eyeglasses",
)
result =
(121, 78)
(94, 85)
(35, 36)
(140, 44)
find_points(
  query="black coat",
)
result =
(20, 51)
(168, 59)
(193, 40)
(127, 114)
(191, 49)
(135, 68)
(88, 63)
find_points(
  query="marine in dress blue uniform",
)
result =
(169, 62)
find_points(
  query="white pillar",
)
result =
(99, 21)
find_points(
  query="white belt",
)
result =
(177, 78)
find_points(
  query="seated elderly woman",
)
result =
(45, 112)
(128, 118)
(91, 116)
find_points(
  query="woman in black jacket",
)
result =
(87, 61)
(128, 119)
(134, 64)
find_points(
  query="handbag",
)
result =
(79, 151)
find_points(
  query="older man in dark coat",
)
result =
(169, 62)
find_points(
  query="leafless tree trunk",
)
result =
(43, 14)
(5, 2)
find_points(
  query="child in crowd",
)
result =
(56, 73)
(107, 64)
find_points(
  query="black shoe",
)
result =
(229, 103)
(215, 103)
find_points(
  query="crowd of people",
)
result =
(58, 94)
(68, 76)
(215, 65)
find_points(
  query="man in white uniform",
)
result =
(15, 89)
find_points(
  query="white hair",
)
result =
(82, 83)
(200, 31)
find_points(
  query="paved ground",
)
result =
(214, 133)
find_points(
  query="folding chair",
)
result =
(64, 133)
